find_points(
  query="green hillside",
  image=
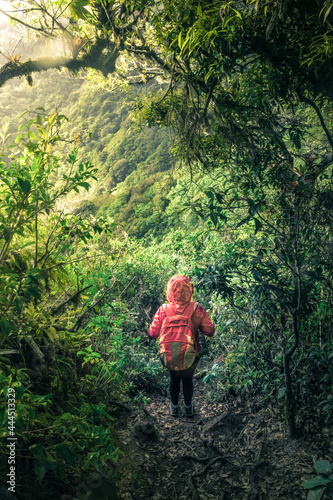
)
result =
(134, 165)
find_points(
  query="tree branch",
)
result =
(305, 99)
(325, 162)
(26, 25)
(94, 59)
(72, 298)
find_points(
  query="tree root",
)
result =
(210, 425)
(191, 479)
(121, 405)
(194, 491)
(196, 459)
(174, 441)
(208, 466)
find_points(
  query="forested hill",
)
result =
(92, 227)
(134, 165)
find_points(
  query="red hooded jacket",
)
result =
(179, 293)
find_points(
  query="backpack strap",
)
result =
(190, 314)
(190, 310)
(168, 309)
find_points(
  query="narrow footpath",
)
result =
(235, 449)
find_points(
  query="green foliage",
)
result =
(322, 484)
(247, 272)
(40, 316)
(27, 198)
(235, 112)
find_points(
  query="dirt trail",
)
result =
(231, 450)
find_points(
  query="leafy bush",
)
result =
(44, 311)
(321, 485)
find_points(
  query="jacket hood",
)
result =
(179, 290)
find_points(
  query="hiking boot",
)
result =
(189, 410)
(175, 410)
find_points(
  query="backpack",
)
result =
(177, 338)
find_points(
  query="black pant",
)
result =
(186, 376)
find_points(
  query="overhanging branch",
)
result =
(94, 59)
(13, 70)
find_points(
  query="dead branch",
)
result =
(213, 423)
(93, 305)
(72, 298)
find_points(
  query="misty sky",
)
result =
(4, 6)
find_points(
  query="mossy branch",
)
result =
(94, 59)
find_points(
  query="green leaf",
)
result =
(66, 416)
(32, 135)
(214, 218)
(281, 392)
(24, 185)
(86, 185)
(33, 291)
(18, 302)
(323, 466)
(65, 453)
(209, 194)
(19, 391)
(244, 221)
(316, 493)
(78, 11)
(258, 225)
(7, 233)
(38, 452)
(6, 352)
(40, 470)
(34, 165)
(5, 326)
(180, 39)
(315, 481)
(32, 414)
(18, 138)
(219, 197)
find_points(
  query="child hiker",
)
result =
(177, 326)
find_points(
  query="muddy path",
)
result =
(236, 449)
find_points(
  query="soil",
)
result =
(236, 449)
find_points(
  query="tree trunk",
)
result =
(290, 408)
